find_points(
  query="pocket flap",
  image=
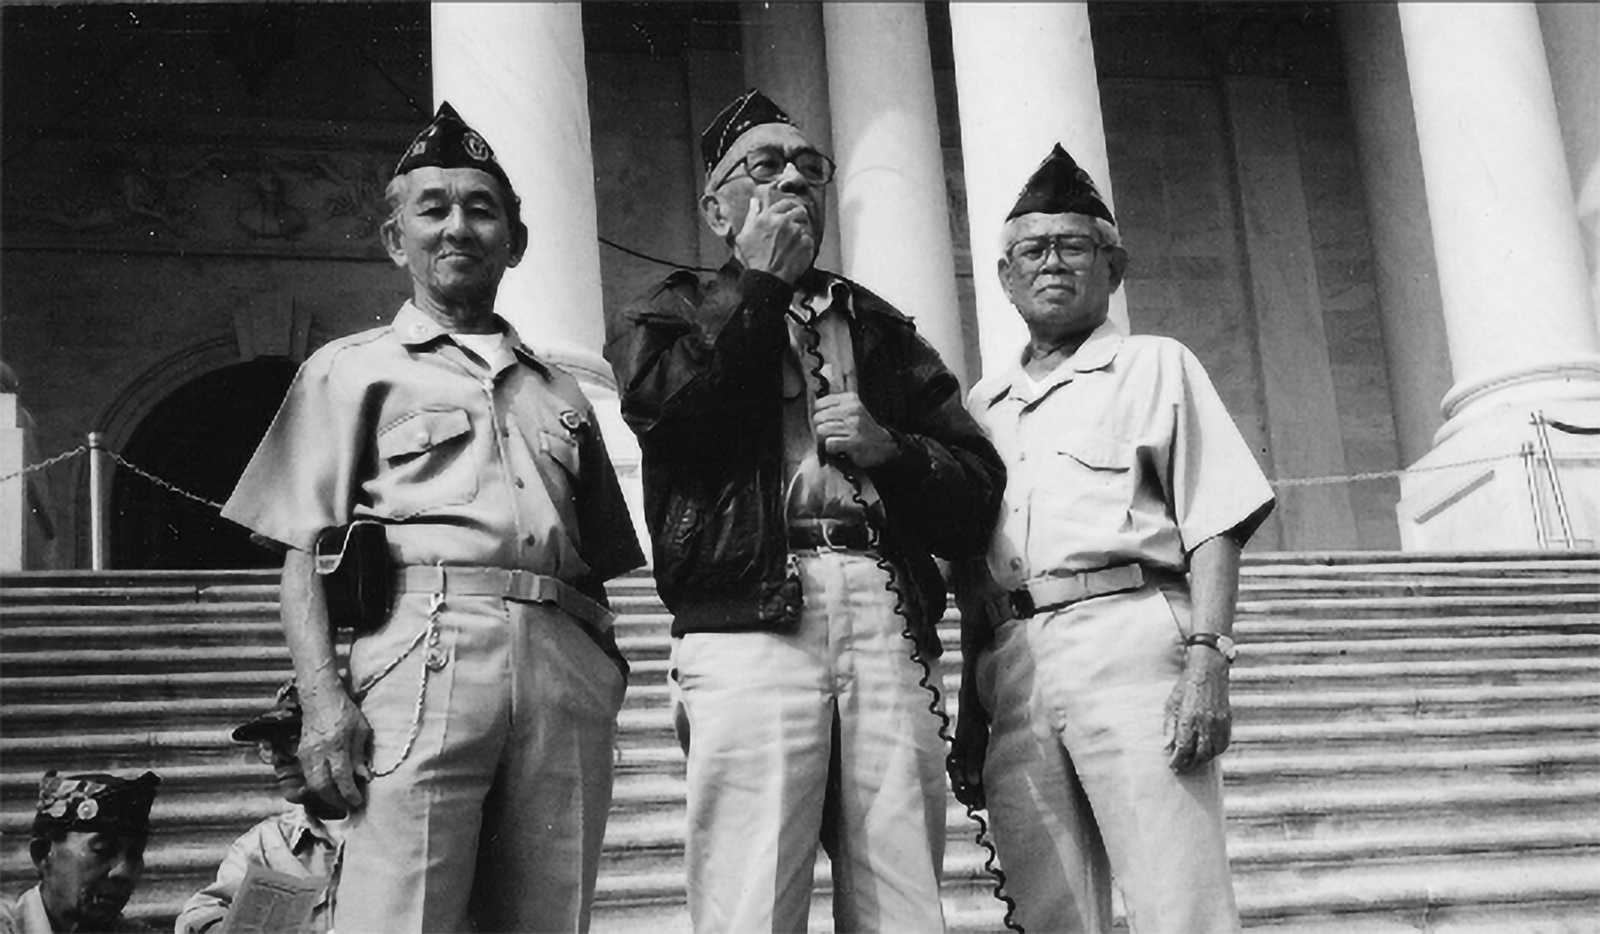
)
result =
(562, 449)
(422, 430)
(1100, 452)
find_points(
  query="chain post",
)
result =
(98, 514)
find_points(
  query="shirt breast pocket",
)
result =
(1092, 477)
(424, 463)
(563, 450)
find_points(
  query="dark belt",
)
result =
(1043, 594)
(838, 534)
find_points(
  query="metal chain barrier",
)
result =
(1389, 474)
(1286, 482)
(49, 462)
(160, 482)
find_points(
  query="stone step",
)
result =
(1252, 627)
(645, 706)
(645, 738)
(269, 651)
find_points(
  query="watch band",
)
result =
(1214, 640)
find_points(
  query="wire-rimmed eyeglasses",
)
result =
(765, 163)
(1074, 250)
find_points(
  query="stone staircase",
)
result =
(1417, 740)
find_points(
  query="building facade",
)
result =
(1378, 225)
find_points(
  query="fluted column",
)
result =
(1512, 276)
(893, 209)
(1572, 40)
(1397, 213)
(783, 45)
(515, 72)
(1025, 79)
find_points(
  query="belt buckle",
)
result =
(1021, 602)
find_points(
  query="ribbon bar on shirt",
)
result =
(1051, 593)
(509, 583)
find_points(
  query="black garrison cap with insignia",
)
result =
(1060, 186)
(280, 721)
(752, 108)
(94, 803)
(447, 142)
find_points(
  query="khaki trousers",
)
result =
(1078, 786)
(497, 811)
(761, 710)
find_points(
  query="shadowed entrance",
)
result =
(199, 438)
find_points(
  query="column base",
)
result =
(1496, 482)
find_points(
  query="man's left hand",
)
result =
(844, 426)
(1198, 722)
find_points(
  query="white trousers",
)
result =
(1077, 779)
(494, 818)
(763, 710)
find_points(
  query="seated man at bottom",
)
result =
(303, 841)
(89, 833)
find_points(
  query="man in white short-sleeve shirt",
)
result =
(1096, 635)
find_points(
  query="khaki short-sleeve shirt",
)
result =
(465, 462)
(1123, 454)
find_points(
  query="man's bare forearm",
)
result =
(303, 611)
(1214, 584)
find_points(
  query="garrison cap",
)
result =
(1060, 186)
(281, 720)
(750, 109)
(447, 142)
(94, 802)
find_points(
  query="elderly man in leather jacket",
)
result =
(805, 455)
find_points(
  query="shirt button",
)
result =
(518, 482)
(530, 541)
(422, 438)
(505, 432)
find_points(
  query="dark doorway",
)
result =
(199, 439)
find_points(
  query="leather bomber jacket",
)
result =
(699, 371)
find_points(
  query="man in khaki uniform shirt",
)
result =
(1095, 692)
(472, 744)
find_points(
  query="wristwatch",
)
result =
(1216, 640)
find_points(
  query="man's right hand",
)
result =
(776, 238)
(967, 752)
(335, 741)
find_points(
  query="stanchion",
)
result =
(98, 515)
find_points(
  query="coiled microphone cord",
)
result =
(925, 679)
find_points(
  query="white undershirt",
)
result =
(490, 347)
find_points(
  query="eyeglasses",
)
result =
(766, 163)
(1075, 251)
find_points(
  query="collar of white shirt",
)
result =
(414, 328)
(1098, 351)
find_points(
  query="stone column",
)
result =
(1397, 214)
(1572, 41)
(893, 210)
(1025, 79)
(515, 71)
(784, 56)
(1521, 332)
